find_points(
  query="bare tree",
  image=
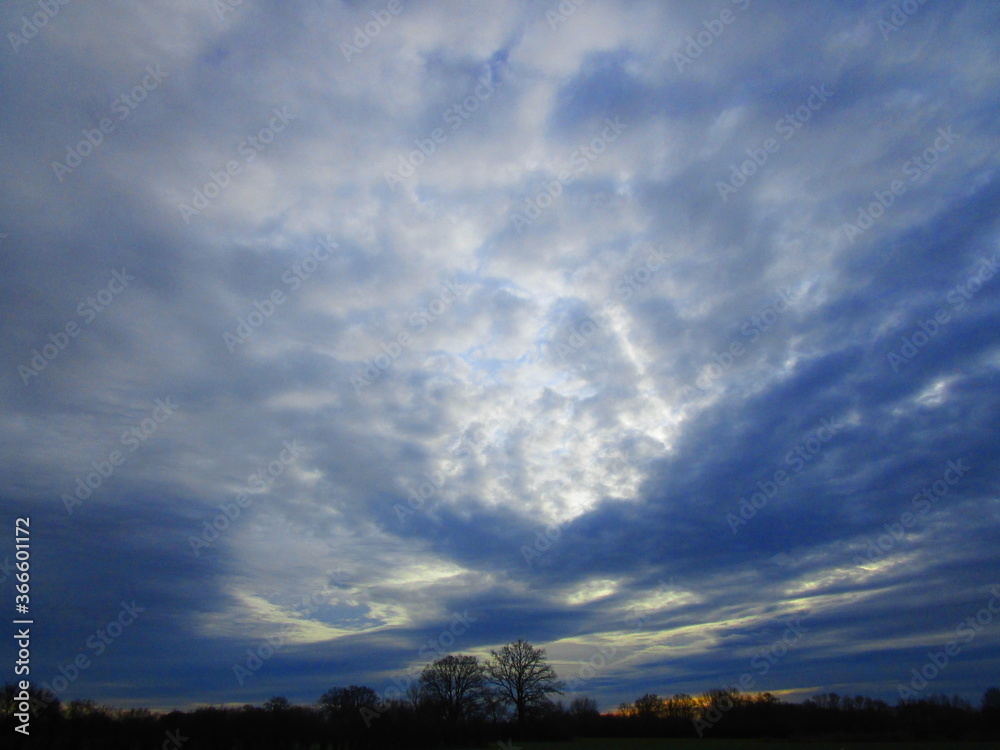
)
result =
(347, 701)
(348, 711)
(522, 676)
(277, 704)
(583, 708)
(680, 706)
(456, 683)
(649, 706)
(585, 715)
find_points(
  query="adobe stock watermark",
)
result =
(270, 646)
(604, 656)
(544, 538)
(467, 446)
(363, 36)
(562, 12)
(174, 740)
(418, 321)
(257, 482)
(32, 25)
(293, 277)
(900, 16)
(456, 116)
(637, 619)
(915, 167)
(702, 40)
(548, 535)
(97, 644)
(88, 309)
(123, 106)
(938, 661)
(630, 283)
(796, 458)
(922, 502)
(958, 297)
(433, 648)
(249, 148)
(131, 439)
(787, 126)
(762, 661)
(753, 328)
(257, 656)
(579, 162)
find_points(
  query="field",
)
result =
(693, 744)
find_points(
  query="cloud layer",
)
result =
(373, 331)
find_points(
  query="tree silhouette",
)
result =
(522, 676)
(991, 708)
(346, 708)
(680, 706)
(583, 708)
(338, 724)
(456, 684)
(277, 704)
(649, 706)
(348, 701)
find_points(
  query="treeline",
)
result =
(342, 719)
(460, 700)
(457, 699)
(729, 713)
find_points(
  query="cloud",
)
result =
(546, 424)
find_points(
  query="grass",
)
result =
(613, 743)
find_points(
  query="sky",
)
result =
(340, 336)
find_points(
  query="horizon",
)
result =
(616, 710)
